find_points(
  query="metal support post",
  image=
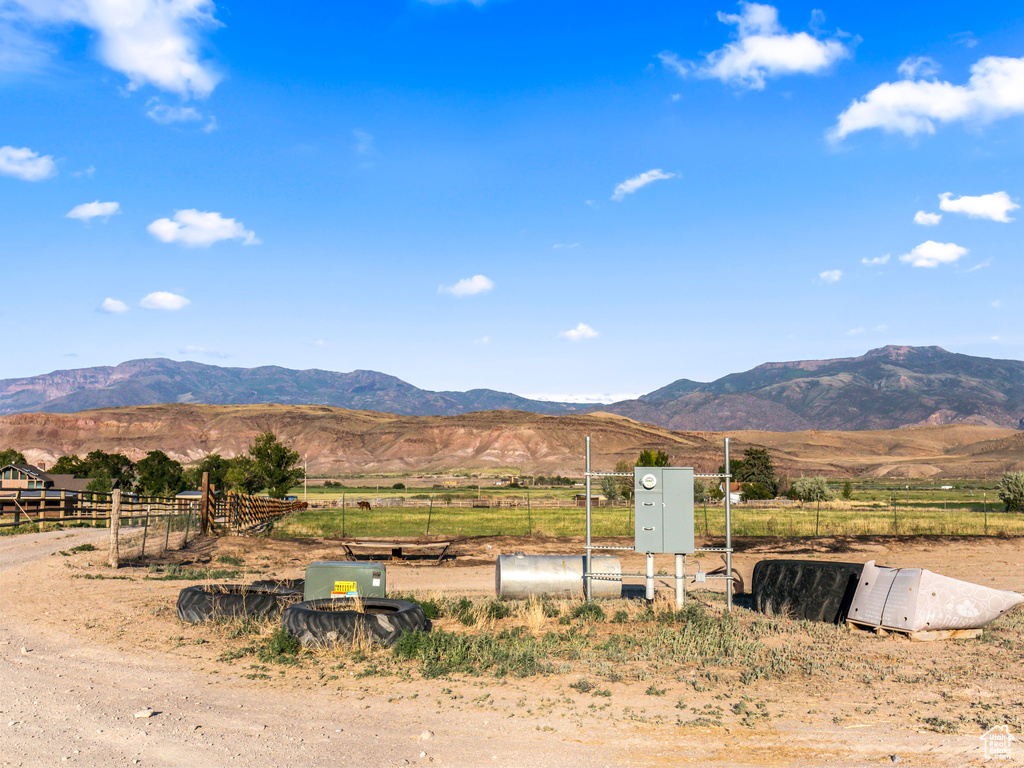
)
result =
(728, 529)
(680, 580)
(649, 592)
(586, 556)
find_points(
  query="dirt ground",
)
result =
(84, 648)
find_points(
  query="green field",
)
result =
(839, 518)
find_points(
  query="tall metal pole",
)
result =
(586, 557)
(728, 528)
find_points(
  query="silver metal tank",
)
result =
(521, 576)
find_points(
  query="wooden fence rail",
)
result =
(241, 513)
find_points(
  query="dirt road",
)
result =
(80, 655)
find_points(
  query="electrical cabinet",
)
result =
(663, 498)
(341, 579)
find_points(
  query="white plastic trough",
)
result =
(916, 600)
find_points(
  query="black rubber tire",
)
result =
(222, 601)
(299, 585)
(334, 620)
(805, 589)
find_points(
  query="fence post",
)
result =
(204, 505)
(145, 530)
(188, 524)
(17, 509)
(430, 511)
(115, 524)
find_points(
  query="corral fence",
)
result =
(240, 513)
(145, 526)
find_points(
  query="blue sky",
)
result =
(554, 199)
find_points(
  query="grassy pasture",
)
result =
(838, 518)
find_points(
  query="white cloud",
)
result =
(363, 142)
(997, 303)
(831, 275)
(931, 254)
(164, 300)
(855, 332)
(919, 66)
(200, 228)
(581, 331)
(927, 219)
(994, 206)
(113, 306)
(96, 209)
(763, 49)
(151, 42)
(877, 261)
(483, 340)
(468, 286)
(25, 164)
(565, 245)
(87, 172)
(995, 90)
(165, 115)
(981, 265)
(629, 186)
(966, 39)
(193, 350)
(596, 398)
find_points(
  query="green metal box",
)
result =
(340, 579)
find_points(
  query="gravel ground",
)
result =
(91, 675)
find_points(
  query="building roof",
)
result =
(60, 482)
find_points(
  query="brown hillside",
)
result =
(337, 441)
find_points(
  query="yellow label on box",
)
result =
(344, 589)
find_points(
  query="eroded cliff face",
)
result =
(336, 441)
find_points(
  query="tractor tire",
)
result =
(299, 585)
(222, 601)
(805, 589)
(334, 620)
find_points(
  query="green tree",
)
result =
(699, 490)
(159, 475)
(625, 483)
(11, 456)
(651, 458)
(1011, 491)
(70, 465)
(847, 490)
(756, 467)
(243, 475)
(214, 464)
(812, 489)
(610, 488)
(107, 470)
(277, 463)
(755, 491)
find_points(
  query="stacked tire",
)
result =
(233, 601)
(805, 589)
(347, 620)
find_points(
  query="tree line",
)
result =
(269, 466)
(756, 475)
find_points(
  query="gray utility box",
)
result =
(338, 579)
(664, 509)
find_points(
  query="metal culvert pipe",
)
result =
(521, 576)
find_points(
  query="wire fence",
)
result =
(772, 518)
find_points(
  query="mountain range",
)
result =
(886, 388)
